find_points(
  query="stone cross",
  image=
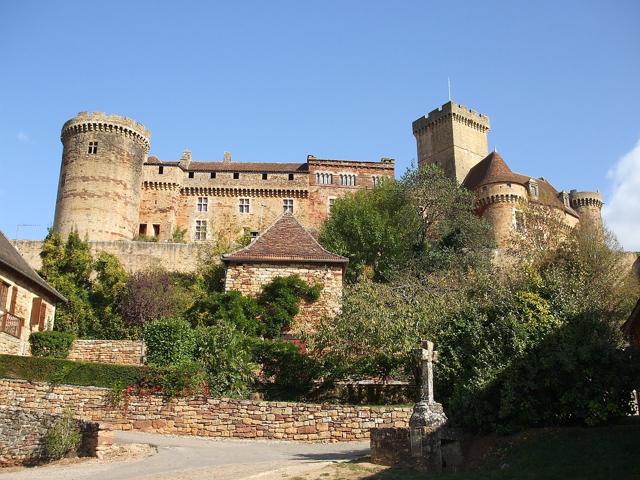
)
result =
(427, 356)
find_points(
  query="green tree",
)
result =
(67, 266)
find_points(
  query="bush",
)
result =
(170, 342)
(51, 344)
(222, 351)
(287, 372)
(230, 307)
(63, 436)
(280, 300)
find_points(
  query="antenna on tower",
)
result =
(449, 85)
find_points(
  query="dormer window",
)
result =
(93, 148)
(534, 191)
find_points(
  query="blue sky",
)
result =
(277, 80)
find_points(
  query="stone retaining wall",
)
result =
(125, 352)
(207, 417)
(23, 436)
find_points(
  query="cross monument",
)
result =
(427, 356)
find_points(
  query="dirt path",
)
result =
(184, 458)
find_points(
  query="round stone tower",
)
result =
(100, 176)
(588, 205)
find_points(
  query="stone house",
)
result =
(287, 248)
(27, 302)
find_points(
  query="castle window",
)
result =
(254, 235)
(212, 175)
(191, 174)
(324, 178)
(291, 176)
(93, 148)
(142, 229)
(287, 205)
(156, 230)
(347, 180)
(375, 180)
(203, 204)
(265, 176)
(236, 175)
(201, 230)
(332, 202)
(160, 169)
(244, 205)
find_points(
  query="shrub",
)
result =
(280, 300)
(230, 307)
(223, 352)
(51, 344)
(287, 372)
(63, 436)
(169, 342)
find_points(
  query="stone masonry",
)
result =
(23, 436)
(204, 416)
(123, 352)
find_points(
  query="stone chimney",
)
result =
(185, 159)
(227, 157)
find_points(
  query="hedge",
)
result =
(58, 371)
(51, 344)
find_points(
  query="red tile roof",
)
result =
(285, 241)
(493, 169)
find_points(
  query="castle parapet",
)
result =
(459, 113)
(108, 123)
(585, 199)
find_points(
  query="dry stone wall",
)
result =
(207, 417)
(124, 352)
(23, 436)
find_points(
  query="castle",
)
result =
(112, 191)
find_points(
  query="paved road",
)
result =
(184, 458)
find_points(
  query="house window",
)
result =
(213, 175)
(203, 204)
(191, 174)
(160, 169)
(156, 229)
(347, 180)
(265, 176)
(236, 175)
(291, 176)
(332, 202)
(287, 205)
(93, 148)
(244, 205)
(142, 230)
(324, 178)
(4, 296)
(201, 230)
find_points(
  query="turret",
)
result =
(100, 176)
(588, 205)
(454, 137)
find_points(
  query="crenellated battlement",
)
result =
(458, 113)
(585, 199)
(107, 123)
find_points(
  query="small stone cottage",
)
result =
(27, 302)
(287, 248)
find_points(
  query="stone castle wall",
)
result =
(207, 417)
(23, 436)
(249, 278)
(100, 176)
(123, 352)
(134, 256)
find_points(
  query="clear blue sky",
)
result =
(276, 80)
